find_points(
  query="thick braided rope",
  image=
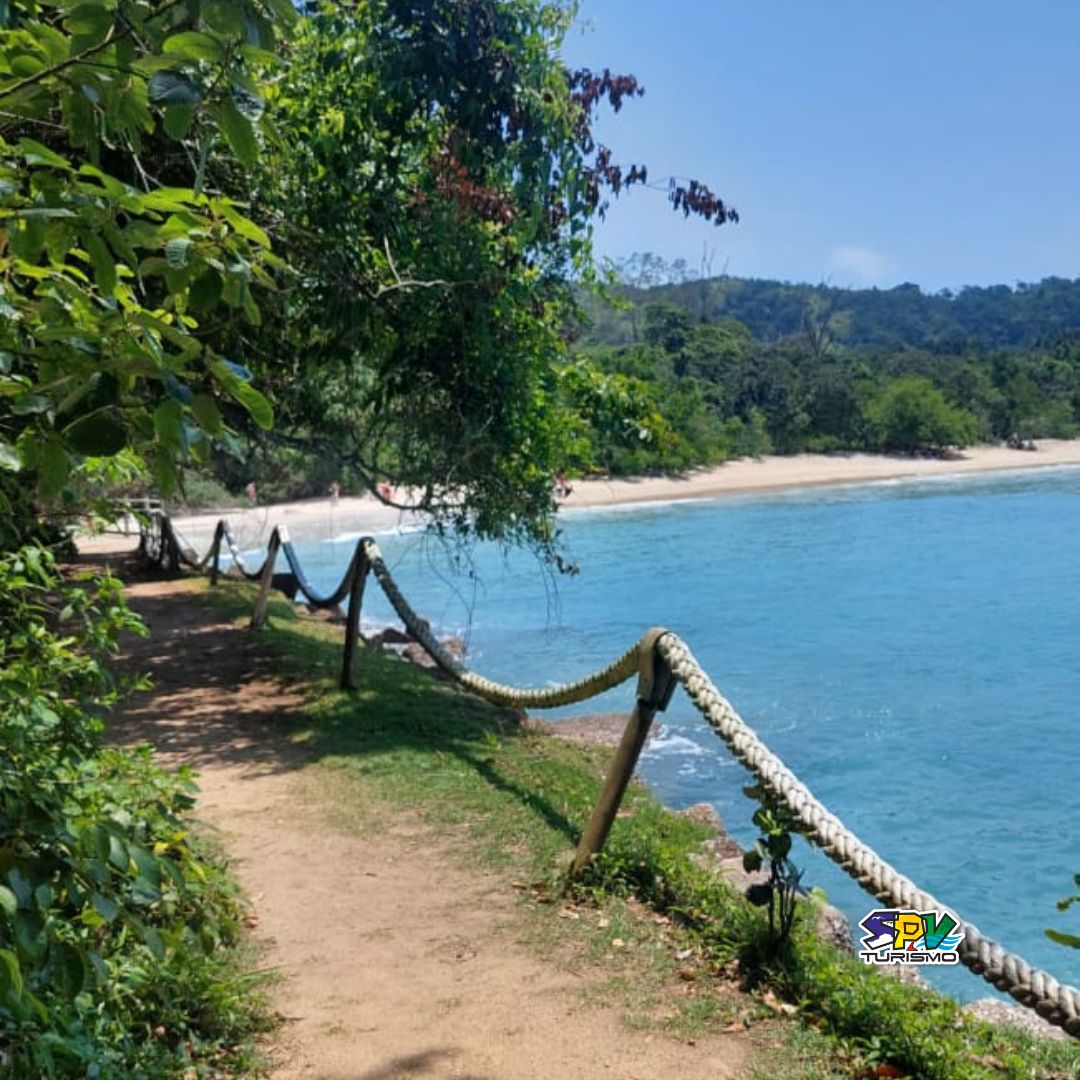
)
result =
(187, 551)
(1057, 1003)
(547, 698)
(234, 551)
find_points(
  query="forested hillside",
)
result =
(738, 368)
(993, 316)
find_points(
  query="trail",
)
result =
(394, 961)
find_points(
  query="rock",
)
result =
(415, 653)
(330, 615)
(996, 1011)
(592, 729)
(832, 926)
(704, 814)
(455, 646)
(739, 878)
(390, 635)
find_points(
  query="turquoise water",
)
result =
(910, 650)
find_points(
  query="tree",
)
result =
(117, 262)
(433, 192)
(911, 416)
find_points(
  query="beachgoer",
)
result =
(386, 492)
(335, 491)
(249, 491)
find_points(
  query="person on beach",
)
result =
(386, 492)
(335, 491)
(250, 492)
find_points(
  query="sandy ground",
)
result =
(321, 518)
(748, 476)
(394, 962)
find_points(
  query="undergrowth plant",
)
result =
(781, 891)
(114, 927)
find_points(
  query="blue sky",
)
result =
(863, 143)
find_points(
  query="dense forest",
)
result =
(739, 367)
(994, 315)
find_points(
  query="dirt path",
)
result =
(395, 963)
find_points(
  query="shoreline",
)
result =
(750, 476)
(351, 516)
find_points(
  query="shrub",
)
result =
(112, 923)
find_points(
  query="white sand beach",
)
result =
(749, 475)
(353, 515)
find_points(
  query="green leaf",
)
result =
(9, 457)
(243, 226)
(107, 908)
(52, 469)
(206, 412)
(257, 406)
(174, 88)
(36, 154)
(223, 16)
(30, 937)
(27, 404)
(11, 983)
(89, 20)
(192, 45)
(99, 434)
(169, 424)
(165, 473)
(178, 119)
(102, 260)
(1064, 939)
(70, 970)
(205, 291)
(8, 903)
(176, 251)
(238, 130)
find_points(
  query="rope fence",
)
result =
(661, 660)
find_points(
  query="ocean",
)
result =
(911, 650)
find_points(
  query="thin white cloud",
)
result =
(859, 265)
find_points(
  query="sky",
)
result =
(863, 143)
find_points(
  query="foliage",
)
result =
(118, 262)
(433, 190)
(113, 927)
(910, 416)
(428, 171)
(1072, 940)
(777, 825)
(1024, 317)
(722, 392)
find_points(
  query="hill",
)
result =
(995, 316)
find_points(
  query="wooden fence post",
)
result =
(654, 689)
(215, 556)
(258, 614)
(352, 622)
(170, 546)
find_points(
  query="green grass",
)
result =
(516, 801)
